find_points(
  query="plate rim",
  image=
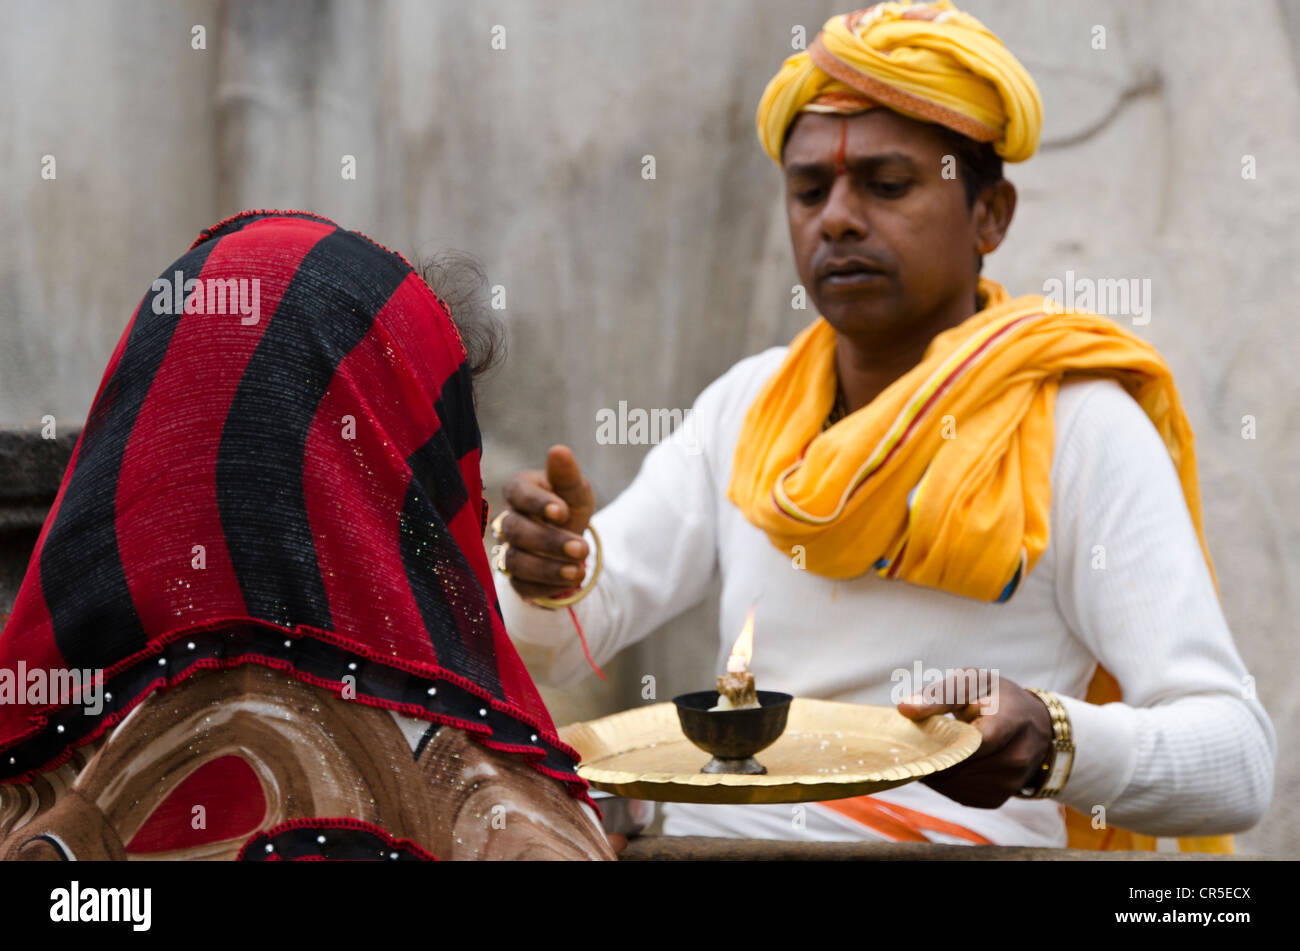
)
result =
(731, 787)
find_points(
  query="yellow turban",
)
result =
(930, 62)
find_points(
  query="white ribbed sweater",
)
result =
(1190, 751)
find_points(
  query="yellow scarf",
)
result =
(944, 479)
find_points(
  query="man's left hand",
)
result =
(1017, 737)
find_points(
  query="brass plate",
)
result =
(829, 750)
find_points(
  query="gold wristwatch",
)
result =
(1051, 777)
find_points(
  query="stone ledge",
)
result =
(31, 469)
(657, 848)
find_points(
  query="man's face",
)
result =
(882, 240)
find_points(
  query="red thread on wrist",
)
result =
(582, 637)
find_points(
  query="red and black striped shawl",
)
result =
(300, 491)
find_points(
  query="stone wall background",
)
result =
(624, 289)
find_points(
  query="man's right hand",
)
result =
(547, 512)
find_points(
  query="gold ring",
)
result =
(499, 560)
(496, 525)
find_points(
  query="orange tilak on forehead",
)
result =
(839, 152)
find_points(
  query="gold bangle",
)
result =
(568, 599)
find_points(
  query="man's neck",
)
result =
(867, 367)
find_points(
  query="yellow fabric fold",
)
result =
(928, 61)
(944, 479)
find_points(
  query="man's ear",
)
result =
(994, 209)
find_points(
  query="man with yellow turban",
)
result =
(932, 475)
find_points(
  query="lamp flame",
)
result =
(742, 652)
